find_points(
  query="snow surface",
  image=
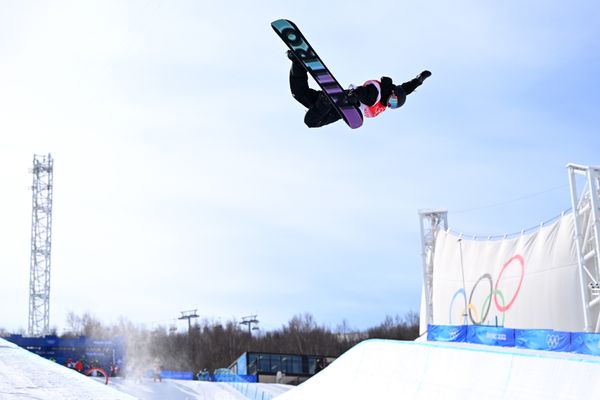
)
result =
(184, 390)
(388, 369)
(374, 369)
(25, 375)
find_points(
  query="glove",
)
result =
(354, 95)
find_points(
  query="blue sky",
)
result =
(185, 177)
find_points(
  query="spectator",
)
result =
(320, 365)
(279, 377)
(79, 367)
(203, 375)
(114, 370)
(156, 370)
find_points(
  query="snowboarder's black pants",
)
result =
(299, 86)
(320, 111)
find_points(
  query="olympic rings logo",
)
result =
(552, 341)
(494, 292)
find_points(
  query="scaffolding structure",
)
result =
(432, 221)
(585, 200)
(584, 184)
(41, 244)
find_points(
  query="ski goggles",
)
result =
(393, 101)
(397, 98)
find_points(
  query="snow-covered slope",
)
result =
(24, 375)
(374, 369)
(180, 390)
(387, 369)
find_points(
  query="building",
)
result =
(279, 368)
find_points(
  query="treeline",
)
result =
(213, 344)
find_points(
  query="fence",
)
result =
(251, 390)
(537, 339)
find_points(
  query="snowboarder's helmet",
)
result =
(397, 98)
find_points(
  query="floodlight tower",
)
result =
(41, 242)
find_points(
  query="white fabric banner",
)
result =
(527, 282)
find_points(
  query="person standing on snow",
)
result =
(156, 371)
(79, 367)
(373, 97)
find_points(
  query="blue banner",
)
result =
(182, 375)
(543, 339)
(585, 343)
(536, 339)
(102, 352)
(447, 333)
(233, 378)
(248, 378)
(491, 335)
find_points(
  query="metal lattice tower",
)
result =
(585, 199)
(41, 243)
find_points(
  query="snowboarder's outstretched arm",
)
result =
(374, 97)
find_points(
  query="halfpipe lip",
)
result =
(506, 351)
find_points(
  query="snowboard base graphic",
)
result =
(291, 35)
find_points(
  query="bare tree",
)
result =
(213, 344)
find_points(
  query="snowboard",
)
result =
(291, 35)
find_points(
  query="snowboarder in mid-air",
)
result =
(372, 98)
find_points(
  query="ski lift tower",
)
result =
(41, 241)
(250, 320)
